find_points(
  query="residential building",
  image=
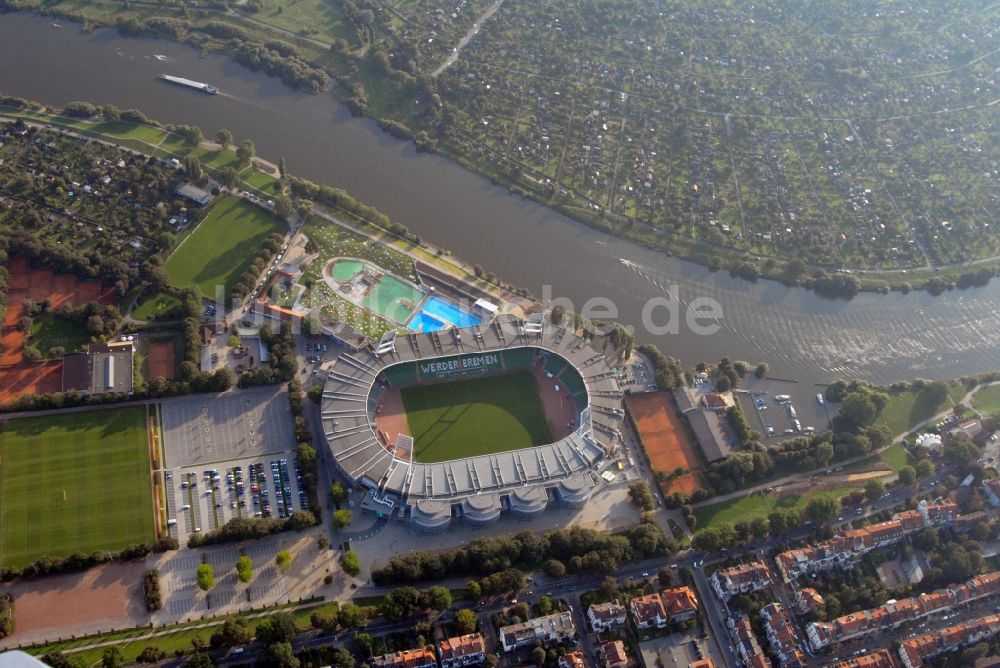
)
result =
(808, 599)
(893, 613)
(938, 514)
(746, 645)
(991, 488)
(548, 629)
(702, 663)
(606, 616)
(467, 650)
(741, 579)
(680, 603)
(914, 651)
(718, 401)
(965, 523)
(880, 659)
(783, 635)
(844, 548)
(613, 654)
(572, 660)
(410, 658)
(648, 611)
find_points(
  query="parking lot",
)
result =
(210, 429)
(203, 499)
(782, 409)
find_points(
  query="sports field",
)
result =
(222, 247)
(76, 482)
(478, 416)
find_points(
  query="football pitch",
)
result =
(479, 416)
(77, 482)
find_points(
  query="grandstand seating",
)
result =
(519, 358)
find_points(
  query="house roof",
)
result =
(406, 659)
(572, 660)
(460, 646)
(679, 601)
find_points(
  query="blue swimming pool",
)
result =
(437, 314)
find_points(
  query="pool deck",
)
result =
(335, 284)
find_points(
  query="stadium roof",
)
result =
(351, 437)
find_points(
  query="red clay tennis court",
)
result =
(665, 440)
(160, 360)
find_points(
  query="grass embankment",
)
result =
(222, 246)
(987, 400)
(76, 482)
(155, 304)
(49, 331)
(896, 457)
(753, 506)
(907, 409)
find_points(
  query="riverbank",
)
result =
(388, 99)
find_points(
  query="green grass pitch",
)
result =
(478, 416)
(98, 459)
(222, 247)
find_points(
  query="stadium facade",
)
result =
(476, 489)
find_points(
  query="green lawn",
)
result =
(464, 418)
(222, 247)
(155, 304)
(896, 456)
(748, 508)
(76, 482)
(48, 331)
(907, 409)
(987, 400)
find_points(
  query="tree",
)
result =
(761, 370)
(95, 324)
(399, 603)
(192, 165)
(244, 568)
(151, 654)
(923, 468)
(235, 632)
(473, 589)
(350, 616)
(200, 660)
(282, 168)
(233, 341)
(337, 492)
(283, 560)
(544, 605)
(713, 539)
(874, 489)
(341, 518)
(858, 409)
(224, 137)
(558, 314)
(640, 495)
(466, 620)
(281, 654)
(907, 476)
(538, 656)
(279, 627)
(282, 206)
(206, 577)
(364, 643)
(112, 657)
(246, 153)
(350, 563)
(437, 598)
(821, 509)
(555, 568)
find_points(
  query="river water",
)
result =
(801, 336)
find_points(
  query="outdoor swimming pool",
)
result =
(438, 314)
(345, 270)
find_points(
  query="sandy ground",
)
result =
(100, 599)
(665, 440)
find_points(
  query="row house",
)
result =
(606, 616)
(613, 654)
(746, 645)
(655, 610)
(938, 514)
(840, 551)
(409, 658)
(965, 523)
(727, 582)
(786, 642)
(991, 488)
(467, 650)
(880, 659)
(548, 629)
(914, 651)
(894, 613)
(572, 660)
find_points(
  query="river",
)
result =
(801, 335)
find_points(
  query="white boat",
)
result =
(188, 83)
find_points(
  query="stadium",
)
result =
(464, 425)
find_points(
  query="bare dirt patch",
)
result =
(665, 440)
(99, 599)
